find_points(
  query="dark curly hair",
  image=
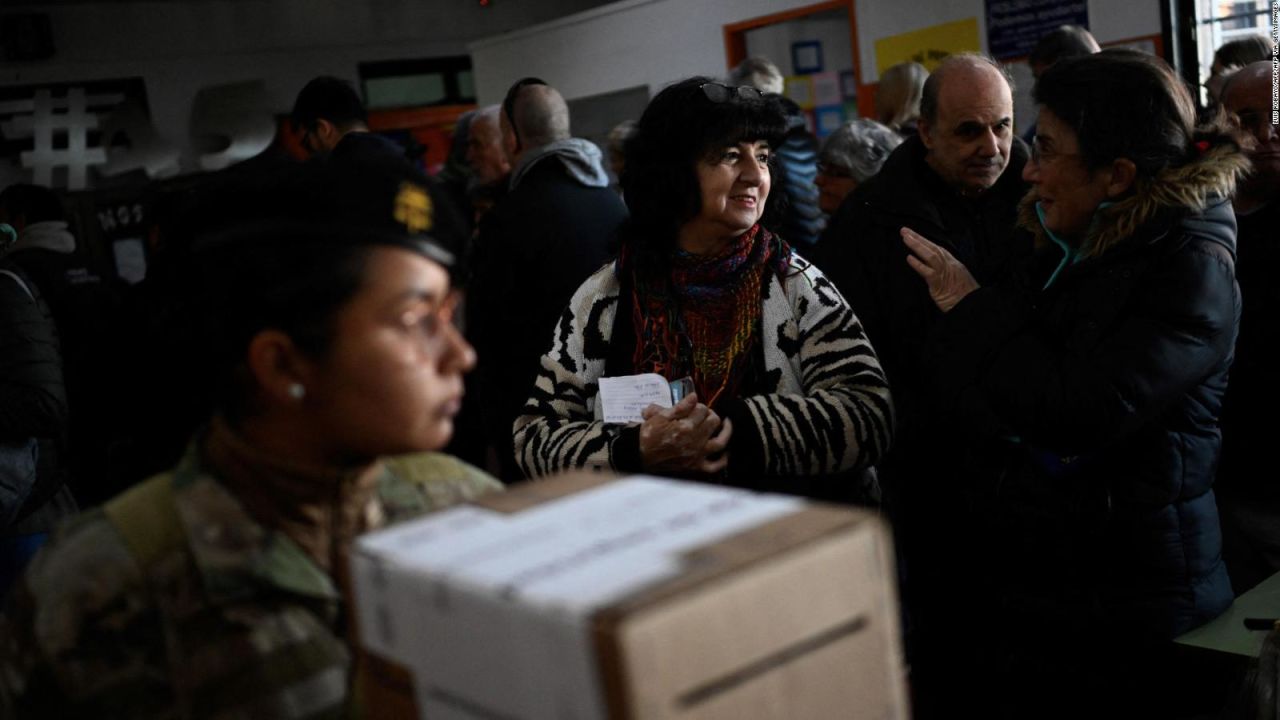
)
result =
(680, 127)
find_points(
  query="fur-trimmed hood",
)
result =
(1191, 187)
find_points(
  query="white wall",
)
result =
(628, 43)
(653, 42)
(774, 41)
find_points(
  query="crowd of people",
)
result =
(1041, 360)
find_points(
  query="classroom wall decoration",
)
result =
(56, 134)
(928, 46)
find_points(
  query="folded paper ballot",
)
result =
(590, 597)
(624, 398)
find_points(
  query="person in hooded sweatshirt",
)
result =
(553, 229)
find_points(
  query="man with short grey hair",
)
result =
(553, 229)
(486, 152)
(487, 158)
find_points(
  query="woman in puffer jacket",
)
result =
(1095, 388)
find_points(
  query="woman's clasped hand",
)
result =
(686, 437)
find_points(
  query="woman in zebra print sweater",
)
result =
(787, 388)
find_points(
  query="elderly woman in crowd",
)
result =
(786, 387)
(221, 588)
(1102, 379)
(850, 156)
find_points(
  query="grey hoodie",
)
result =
(580, 158)
(48, 235)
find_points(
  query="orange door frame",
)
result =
(735, 43)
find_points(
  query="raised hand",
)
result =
(948, 279)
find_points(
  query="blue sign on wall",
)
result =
(1014, 26)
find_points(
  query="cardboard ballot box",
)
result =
(589, 597)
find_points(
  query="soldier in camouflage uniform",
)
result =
(219, 589)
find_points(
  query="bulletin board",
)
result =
(928, 46)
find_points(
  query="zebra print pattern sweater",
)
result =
(827, 409)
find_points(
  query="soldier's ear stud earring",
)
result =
(297, 391)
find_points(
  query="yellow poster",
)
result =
(928, 46)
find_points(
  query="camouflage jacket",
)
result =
(194, 610)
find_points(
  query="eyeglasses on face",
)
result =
(719, 92)
(833, 171)
(436, 327)
(1040, 154)
(1254, 121)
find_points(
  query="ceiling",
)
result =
(472, 19)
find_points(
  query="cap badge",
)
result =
(413, 208)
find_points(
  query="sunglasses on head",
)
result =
(509, 102)
(718, 92)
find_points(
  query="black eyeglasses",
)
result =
(509, 102)
(1042, 155)
(833, 171)
(718, 93)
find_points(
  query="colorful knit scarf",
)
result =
(702, 319)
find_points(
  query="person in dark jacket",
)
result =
(961, 191)
(327, 110)
(801, 220)
(1102, 375)
(33, 420)
(802, 217)
(958, 181)
(554, 228)
(88, 310)
(1248, 494)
